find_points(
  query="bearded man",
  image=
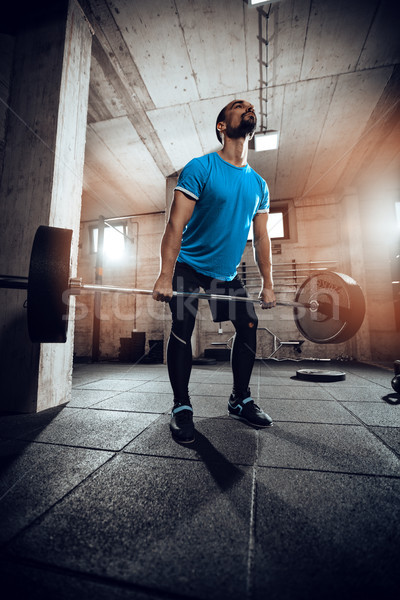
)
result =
(217, 199)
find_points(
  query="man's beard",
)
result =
(246, 127)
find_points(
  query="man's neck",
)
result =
(235, 151)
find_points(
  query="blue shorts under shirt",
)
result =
(227, 199)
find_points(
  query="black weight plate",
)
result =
(320, 375)
(49, 274)
(341, 308)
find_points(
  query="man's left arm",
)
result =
(262, 255)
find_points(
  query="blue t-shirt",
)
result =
(227, 198)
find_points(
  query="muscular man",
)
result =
(217, 199)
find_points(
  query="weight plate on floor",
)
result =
(49, 274)
(320, 375)
(396, 383)
(340, 312)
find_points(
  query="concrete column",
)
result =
(41, 185)
(6, 59)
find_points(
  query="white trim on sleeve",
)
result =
(262, 210)
(181, 189)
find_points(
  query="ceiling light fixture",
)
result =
(258, 2)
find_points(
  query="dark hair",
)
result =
(221, 117)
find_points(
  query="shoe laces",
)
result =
(249, 405)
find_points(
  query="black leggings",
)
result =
(184, 311)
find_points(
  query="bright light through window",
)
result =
(114, 242)
(275, 226)
(397, 205)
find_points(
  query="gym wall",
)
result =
(121, 314)
(332, 231)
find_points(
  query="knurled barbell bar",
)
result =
(328, 307)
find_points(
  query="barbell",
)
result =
(329, 307)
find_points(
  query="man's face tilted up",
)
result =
(240, 119)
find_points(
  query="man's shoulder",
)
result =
(258, 177)
(255, 174)
(204, 160)
(199, 165)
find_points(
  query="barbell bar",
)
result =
(76, 285)
(329, 307)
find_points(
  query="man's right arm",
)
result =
(181, 211)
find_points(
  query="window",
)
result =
(278, 224)
(114, 241)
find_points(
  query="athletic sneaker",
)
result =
(181, 424)
(246, 410)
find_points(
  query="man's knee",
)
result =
(253, 322)
(247, 319)
(182, 329)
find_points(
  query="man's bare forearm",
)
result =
(262, 256)
(170, 247)
(181, 211)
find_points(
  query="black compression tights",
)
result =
(179, 354)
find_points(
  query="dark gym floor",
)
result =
(97, 501)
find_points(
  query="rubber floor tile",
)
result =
(308, 411)
(224, 441)
(381, 414)
(170, 525)
(86, 398)
(326, 535)
(13, 426)
(37, 583)
(35, 476)
(115, 385)
(308, 392)
(390, 435)
(91, 428)
(137, 401)
(346, 448)
(372, 393)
